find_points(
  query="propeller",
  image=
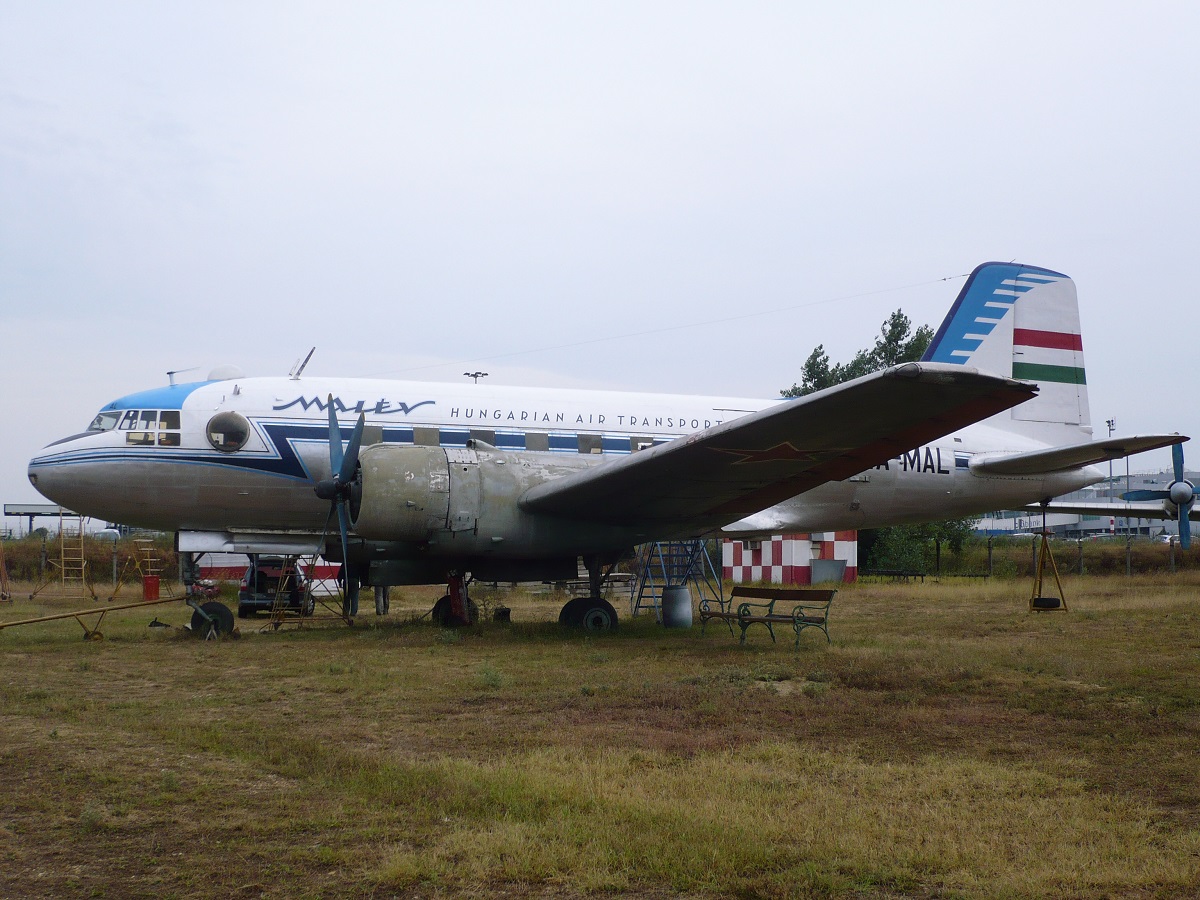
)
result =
(1181, 494)
(343, 466)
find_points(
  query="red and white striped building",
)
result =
(789, 558)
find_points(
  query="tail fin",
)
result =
(1012, 319)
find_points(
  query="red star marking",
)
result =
(784, 452)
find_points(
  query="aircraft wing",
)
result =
(1075, 456)
(1126, 509)
(707, 479)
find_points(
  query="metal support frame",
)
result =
(6, 594)
(665, 564)
(93, 634)
(280, 615)
(1037, 601)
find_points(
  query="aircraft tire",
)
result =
(569, 615)
(220, 612)
(441, 612)
(588, 613)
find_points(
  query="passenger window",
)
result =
(168, 439)
(228, 431)
(427, 437)
(640, 443)
(590, 443)
(168, 419)
(537, 440)
(129, 420)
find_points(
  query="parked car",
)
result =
(269, 577)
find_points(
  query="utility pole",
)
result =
(1112, 426)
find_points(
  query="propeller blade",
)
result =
(1146, 495)
(1185, 526)
(1177, 460)
(350, 461)
(335, 441)
(344, 528)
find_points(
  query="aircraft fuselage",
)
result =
(243, 455)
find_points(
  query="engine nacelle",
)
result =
(402, 493)
(463, 504)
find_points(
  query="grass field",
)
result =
(947, 744)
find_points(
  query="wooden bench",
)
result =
(904, 575)
(756, 606)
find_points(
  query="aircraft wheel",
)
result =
(570, 616)
(588, 613)
(441, 612)
(220, 613)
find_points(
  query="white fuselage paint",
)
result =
(186, 484)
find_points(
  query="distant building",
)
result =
(795, 559)
(1075, 526)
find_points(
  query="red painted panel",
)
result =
(1054, 340)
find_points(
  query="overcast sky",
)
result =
(421, 188)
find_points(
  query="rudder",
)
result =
(1023, 321)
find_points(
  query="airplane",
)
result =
(438, 483)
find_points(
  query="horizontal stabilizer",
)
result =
(1075, 456)
(704, 480)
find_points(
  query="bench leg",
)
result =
(823, 628)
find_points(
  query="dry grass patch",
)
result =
(948, 743)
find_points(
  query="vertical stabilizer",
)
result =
(1023, 321)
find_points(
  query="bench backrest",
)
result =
(793, 595)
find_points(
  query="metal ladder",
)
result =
(148, 562)
(283, 590)
(667, 564)
(72, 564)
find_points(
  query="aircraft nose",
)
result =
(58, 475)
(41, 477)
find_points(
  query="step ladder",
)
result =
(148, 561)
(666, 564)
(5, 592)
(72, 565)
(288, 581)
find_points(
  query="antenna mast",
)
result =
(299, 366)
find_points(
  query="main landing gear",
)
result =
(456, 608)
(588, 613)
(591, 613)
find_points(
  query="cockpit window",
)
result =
(105, 421)
(169, 419)
(228, 431)
(148, 418)
(129, 420)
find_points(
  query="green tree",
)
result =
(906, 547)
(896, 343)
